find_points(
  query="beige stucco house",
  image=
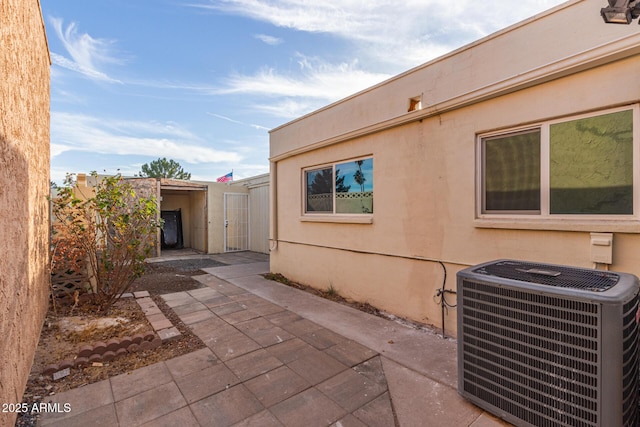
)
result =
(24, 187)
(213, 217)
(524, 144)
(220, 217)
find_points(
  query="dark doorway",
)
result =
(172, 229)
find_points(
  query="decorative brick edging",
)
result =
(116, 347)
(163, 326)
(106, 352)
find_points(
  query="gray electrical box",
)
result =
(602, 248)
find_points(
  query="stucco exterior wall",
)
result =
(198, 205)
(24, 187)
(259, 218)
(425, 162)
(520, 55)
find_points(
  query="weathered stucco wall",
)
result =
(24, 187)
(198, 229)
(425, 164)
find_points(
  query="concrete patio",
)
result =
(278, 356)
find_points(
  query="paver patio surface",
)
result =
(277, 356)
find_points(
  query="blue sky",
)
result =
(348, 170)
(202, 81)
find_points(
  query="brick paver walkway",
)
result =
(277, 356)
(263, 366)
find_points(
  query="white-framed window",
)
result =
(344, 187)
(585, 167)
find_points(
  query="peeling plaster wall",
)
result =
(24, 187)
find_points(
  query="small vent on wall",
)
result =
(415, 103)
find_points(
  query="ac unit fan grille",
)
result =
(558, 276)
(517, 362)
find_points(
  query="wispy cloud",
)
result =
(68, 97)
(315, 83)
(403, 33)
(289, 108)
(79, 132)
(382, 35)
(86, 54)
(226, 118)
(270, 40)
(238, 122)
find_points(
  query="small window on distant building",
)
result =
(414, 104)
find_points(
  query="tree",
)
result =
(163, 168)
(322, 183)
(358, 177)
(114, 230)
(340, 187)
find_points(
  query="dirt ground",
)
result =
(330, 294)
(172, 276)
(60, 338)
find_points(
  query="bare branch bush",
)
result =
(113, 231)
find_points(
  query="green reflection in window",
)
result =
(591, 165)
(512, 172)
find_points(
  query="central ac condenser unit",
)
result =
(549, 345)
